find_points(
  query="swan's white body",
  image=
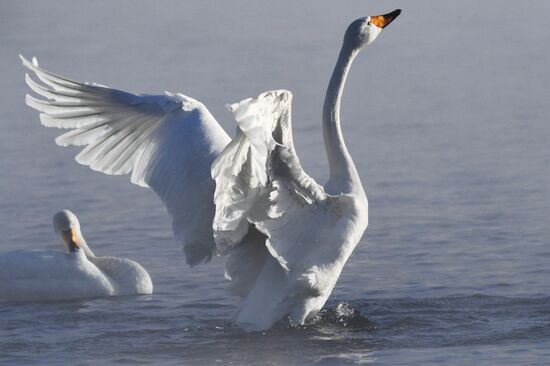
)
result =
(47, 275)
(287, 238)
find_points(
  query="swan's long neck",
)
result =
(84, 246)
(343, 174)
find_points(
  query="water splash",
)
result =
(344, 315)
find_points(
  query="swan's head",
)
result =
(66, 225)
(364, 31)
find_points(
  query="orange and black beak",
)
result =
(382, 21)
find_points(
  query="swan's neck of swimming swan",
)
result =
(84, 246)
(343, 174)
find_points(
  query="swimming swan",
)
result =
(286, 237)
(76, 273)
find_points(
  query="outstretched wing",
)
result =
(167, 142)
(259, 180)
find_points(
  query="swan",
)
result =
(76, 273)
(286, 238)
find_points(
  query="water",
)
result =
(445, 114)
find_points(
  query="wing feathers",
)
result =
(57, 82)
(259, 178)
(47, 92)
(160, 139)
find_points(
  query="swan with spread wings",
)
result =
(286, 237)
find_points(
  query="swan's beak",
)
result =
(71, 240)
(383, 20)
